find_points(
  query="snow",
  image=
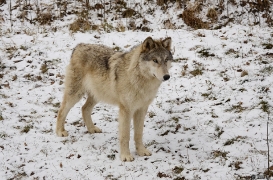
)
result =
(187, 125)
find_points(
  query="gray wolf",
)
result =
(127, 79)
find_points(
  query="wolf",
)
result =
(129, 80)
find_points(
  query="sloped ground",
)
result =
(207, 121)
(137, 15)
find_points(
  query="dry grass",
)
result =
(267, 46)
(196, 72)
(193, 13)
(168, 24)
(244, 73)
(205, 53)
(190, 17)
(262, 5)
(44, 68)
(26, 128)
(45, 18)
(3, 2)
(212, 14)
(120, 27)
(128, 13)
(80, 24)
(269, 173)
(161, 2)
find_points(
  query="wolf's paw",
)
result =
(95, 129)
(62, 133)
(126, 157)
(143, 152)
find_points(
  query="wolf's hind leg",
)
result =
(68, 102)
(139, 116)
(86, 114)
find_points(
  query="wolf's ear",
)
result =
(166, 43)
(148, 44)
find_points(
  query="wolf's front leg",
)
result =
(124, 133)
(139, 117)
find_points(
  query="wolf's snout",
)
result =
(166, 77)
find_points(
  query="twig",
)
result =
(267, 147)
(10, 14)
(227, 10)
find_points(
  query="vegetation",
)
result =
(95, 15)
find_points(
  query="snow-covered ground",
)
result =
(206, 122)
(209, 121)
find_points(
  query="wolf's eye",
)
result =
(155, 60)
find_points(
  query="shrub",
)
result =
(80, 24)
(190, 17)
(212, 14)
(45, 18)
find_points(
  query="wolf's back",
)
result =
(92, 56)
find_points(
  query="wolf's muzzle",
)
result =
(166, 77)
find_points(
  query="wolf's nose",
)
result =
(166, 77)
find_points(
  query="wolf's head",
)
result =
(156, 58)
